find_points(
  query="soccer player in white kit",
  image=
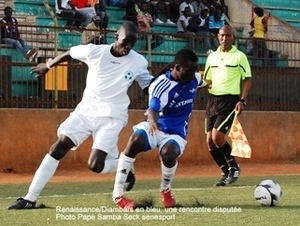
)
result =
(103, 111)
(171, 100)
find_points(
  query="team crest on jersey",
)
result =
(128, 75)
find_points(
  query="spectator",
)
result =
(207, 4)
(85, 11)
(65, 10)
(196, 6)
(182, 26)
(99, 6)
(10, 35)
(92, 33)
(145, 22)
(273, 55)
(174, 9)
(164, 6)
(131, 10)
(199, 25)
(216, 21)
(183, 5)
(260, 25)
(153, 10)
(219, 5)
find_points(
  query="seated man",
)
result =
(182, 26)
(99, 6)
(145, 22)
(92, 33)
(216, 21)
(199, 25)
(83, 9)
(10, 35)
(131, 10)
(65, 10)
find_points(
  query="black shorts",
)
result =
(220, 112)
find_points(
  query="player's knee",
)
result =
(96, 166)
(135, 145)
(57, 151)
(168, 157)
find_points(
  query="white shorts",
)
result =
(159, 139)
(104, 130)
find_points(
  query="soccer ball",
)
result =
(268, 193)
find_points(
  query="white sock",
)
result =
(167, 176)
(124, 166)
(42, 175)
(110, 165)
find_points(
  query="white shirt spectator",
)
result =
(186, 22)
(182, 7)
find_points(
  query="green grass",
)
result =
(200, 204)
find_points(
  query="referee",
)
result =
(228, 77)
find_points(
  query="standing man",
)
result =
(10, 35)
(260, 25)
(171, 98)
(103, 111)
(227, 71)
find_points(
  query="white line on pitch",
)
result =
(138, 191)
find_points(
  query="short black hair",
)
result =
(259, 11)
(129, 25)
(184, 55)
(7, 8)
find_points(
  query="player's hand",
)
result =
(41, 69)
(154, 128)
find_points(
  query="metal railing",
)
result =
(274, 87)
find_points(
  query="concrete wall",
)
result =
(27, 134)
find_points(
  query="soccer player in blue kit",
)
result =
(171, 97)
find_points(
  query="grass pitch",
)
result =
(90, 203)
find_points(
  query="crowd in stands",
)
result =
(199, 20)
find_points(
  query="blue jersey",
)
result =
(174, 100)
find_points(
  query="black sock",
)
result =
(219, 159)
(226, 150)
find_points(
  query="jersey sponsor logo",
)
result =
(192, 90)
(128, 75)
(114, 62)
(184, 102)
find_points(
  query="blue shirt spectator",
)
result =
(216, 21)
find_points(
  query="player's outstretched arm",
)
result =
(42, 68)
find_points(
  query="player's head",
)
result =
(226, 38)
(185, 65)
(125, 38)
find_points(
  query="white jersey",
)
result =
(108, 80)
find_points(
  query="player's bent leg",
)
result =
(125, 178)
(43, 174)
(135, 144)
